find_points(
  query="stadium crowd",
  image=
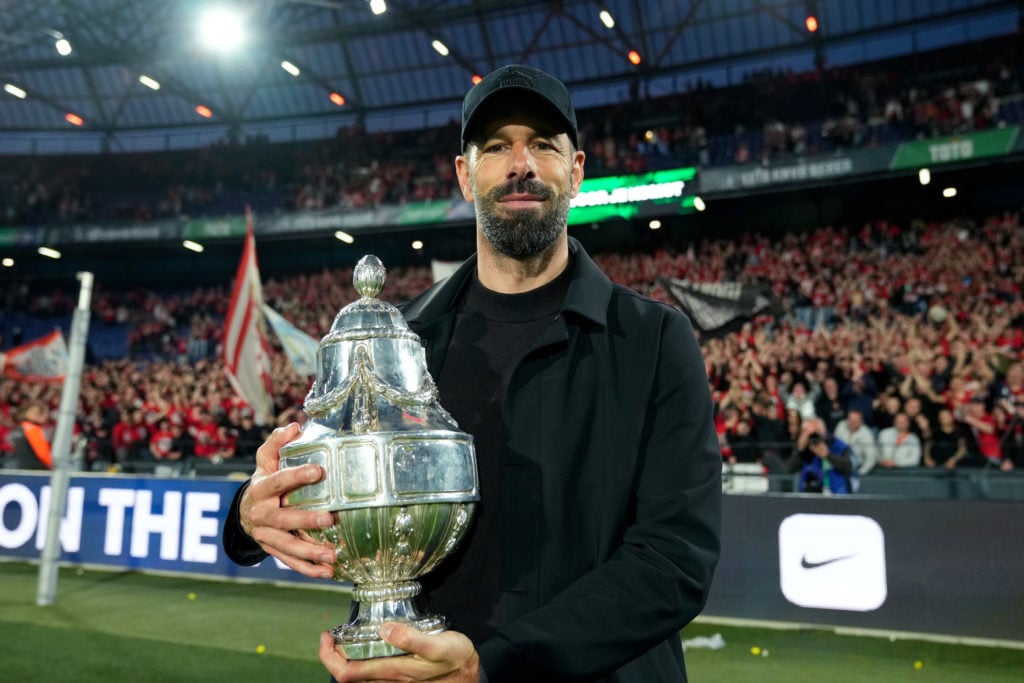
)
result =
(907, 341)
(770, 115)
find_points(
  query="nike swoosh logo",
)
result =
(814, 565)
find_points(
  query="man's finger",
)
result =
(411, 640)
(281, 482)
(269, 454)
(450, 649)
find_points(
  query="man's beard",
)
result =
(527, 232)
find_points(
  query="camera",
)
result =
(816, 439)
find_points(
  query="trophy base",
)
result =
(376, 605)
(364, 642)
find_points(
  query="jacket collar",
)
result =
(589, 291)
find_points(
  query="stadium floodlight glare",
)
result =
(73, 119)
(634, 58)
(14, 90)
(924, 176)
(48, 252)
(811, 23)
(63, 47)
(654, 224)
(417, 244)
(949, 192)
(193, 246)
(204, 111)
(290, 68)
(221, 29)
(8, 262)
(150, 83)
(607, 19)
(699, 204)
(344, 237)
(378, 6)
(441, 48)
(337, 99)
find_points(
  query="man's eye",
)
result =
(495, 147)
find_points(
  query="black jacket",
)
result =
(611, 486)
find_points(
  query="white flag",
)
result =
(300, 347)
(41, 360)
(246, 356)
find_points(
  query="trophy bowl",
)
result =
(400, 477)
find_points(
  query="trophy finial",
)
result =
(368, 276)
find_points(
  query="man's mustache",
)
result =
(521, 186)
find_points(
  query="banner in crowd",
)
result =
(214, 228)
(246, 353)
(755, 176)
(41, 360)
(626, 196)
(955, 148)
(298, 346)
(718, 308)
(130, 522)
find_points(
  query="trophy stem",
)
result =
(376, 604)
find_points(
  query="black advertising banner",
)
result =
(952, 568)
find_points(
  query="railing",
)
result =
(988, 483)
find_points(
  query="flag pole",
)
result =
(46, 591)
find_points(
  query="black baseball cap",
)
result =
(525, 80)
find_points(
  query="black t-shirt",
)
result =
(492, 334)
(945, 444)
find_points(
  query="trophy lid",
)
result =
(368, 316)
(371, 369)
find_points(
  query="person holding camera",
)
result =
(826, 464)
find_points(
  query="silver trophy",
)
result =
(401, 479)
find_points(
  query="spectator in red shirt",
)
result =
(204, 430)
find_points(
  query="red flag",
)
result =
(42, 360)
(245, 343)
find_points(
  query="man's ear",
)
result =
(577, 172)
(462, 173)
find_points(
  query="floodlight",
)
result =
(607, 19)
(48, 252)
(221, 29)
(378, 6)
(150, 83)
(344, 237)
(441, 48)
(63, 47)
(12, 89)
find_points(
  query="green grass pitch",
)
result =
(109, 626)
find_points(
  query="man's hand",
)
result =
(447, 657)
(270, 524)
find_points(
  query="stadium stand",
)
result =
(904, 318)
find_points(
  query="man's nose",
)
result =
(521, 162)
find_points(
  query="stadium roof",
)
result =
(385, 68)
